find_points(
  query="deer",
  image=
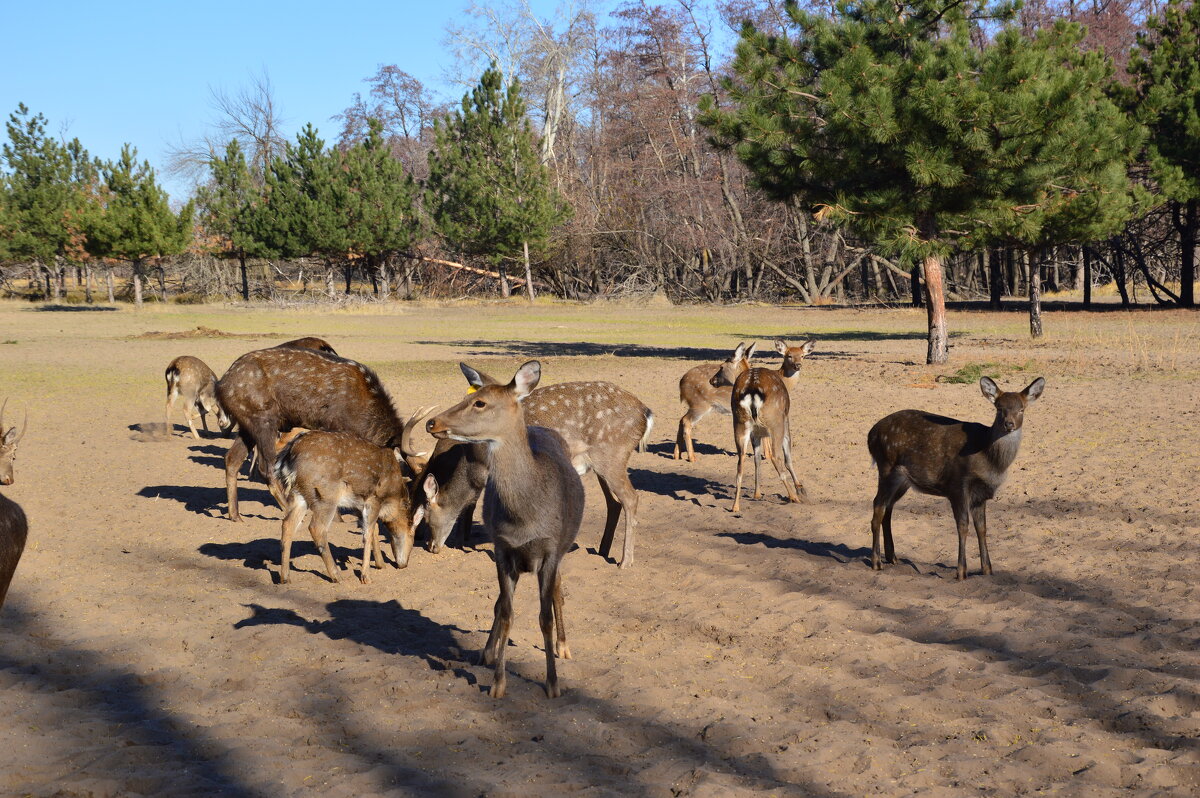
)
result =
(701, 396)
(450, 487)
(308, 342)
(14, 528)
(532, 508)
(602, 425)
(270, 391)
(761, 403)
(322, 472)
(9, 438)
(190, 379)
(962, 461)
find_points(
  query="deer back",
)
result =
(338, 467)
(696, 388)
(308, 342)
(14, 529)
(287, 387)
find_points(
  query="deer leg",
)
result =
(800, 495)
(171, 396)
(758, 458)
(684, 436)
(891, 488)
(503, 625)
(489, 650)
(620, 495)
(979, 516)
(297, 510)
(370, 534)
(203, 417)
(233, 463)
(547, 582)
(189, 417)
(958, 505)
(743, 442)
(560, 646)
(889, 549)
(462, 524)
(319, 529)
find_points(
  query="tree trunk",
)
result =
(528, 272)
(505, 288)
(1087, 277)
(137, 283)
(347, 270)
(1187, 242)
(162, 282)
(87, 283)
(1119, 275)
(935, 302)
(108, 282)
(916, 284)
(245, 275)
(1035, 293)
(995, 279)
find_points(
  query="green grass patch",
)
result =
(971, 372)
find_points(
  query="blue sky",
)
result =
(141, 72)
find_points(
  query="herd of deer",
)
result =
(326, 437)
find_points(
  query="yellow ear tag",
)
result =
(471, 389)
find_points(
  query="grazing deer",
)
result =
(9, 438)
(453, 479)
(761, 402)
(532, 507)
(308, 342)
(270, 391)
(697, 391)
(321, 472)
(602, 425)
(188, 378)
(960, 460)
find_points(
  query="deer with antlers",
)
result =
(14, 527)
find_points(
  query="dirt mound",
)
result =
(199, 332)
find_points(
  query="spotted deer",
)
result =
(701, 396)
(602, 425)
(761, 400)
(532, 507)
(959, 460)
(270, 391)
(322, 472)
(308, 342)
(190, 379)
(14, 528)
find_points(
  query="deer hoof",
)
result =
(498, 690)
(552, 691)
(562, 650)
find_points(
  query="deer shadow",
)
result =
(834, 551)
(667, 449)
(673, 485)
(386, 626)
(204, 500)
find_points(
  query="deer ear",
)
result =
(781, 346)
(418, 515)
(1034, 389)
(526, 379)
(988, 386)
(476, 378)
(10, 437)
(806, 348)
(430, 487)
(750, 349)
(739, 352)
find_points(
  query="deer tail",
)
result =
(752, 402)
(285, 466)
(172, 380)
(649, 416)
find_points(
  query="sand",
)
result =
(146, 649)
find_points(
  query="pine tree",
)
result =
(1166, 68)
(226, 204)
(137, 221)
(881, 117)
(46, 197)
(381, 201)
(488, 191)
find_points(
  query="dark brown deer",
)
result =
(532, 507)
(450, 487)
(603, 425)
(190, 379)
(960, 460)
(697, 391)
(14, 528)
(270, 391)
(322, 472)
(308, 342)
(762, 403)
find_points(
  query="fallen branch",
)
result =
(516, 281)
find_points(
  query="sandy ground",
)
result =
(145, 647)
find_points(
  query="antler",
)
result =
(416, 460)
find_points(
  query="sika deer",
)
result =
(309, 342)
(761, 404)
(188, 378)
(532, 507)
(270, 391)
(602, 425)
(9, 438)
(960, 460)
(14, 529)
(697, 391)
(321, 472)
(456, 475)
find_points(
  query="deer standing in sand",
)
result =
(270, 391)
(761, 402)
(532, 507)
(697, 391)
(190, 379)
(960, 460)
(603, 425)
(320, 472)
(14, 528)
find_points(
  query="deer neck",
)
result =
(790, 374)
(511, 467)
(1003, 446)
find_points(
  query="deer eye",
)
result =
(480, 403)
